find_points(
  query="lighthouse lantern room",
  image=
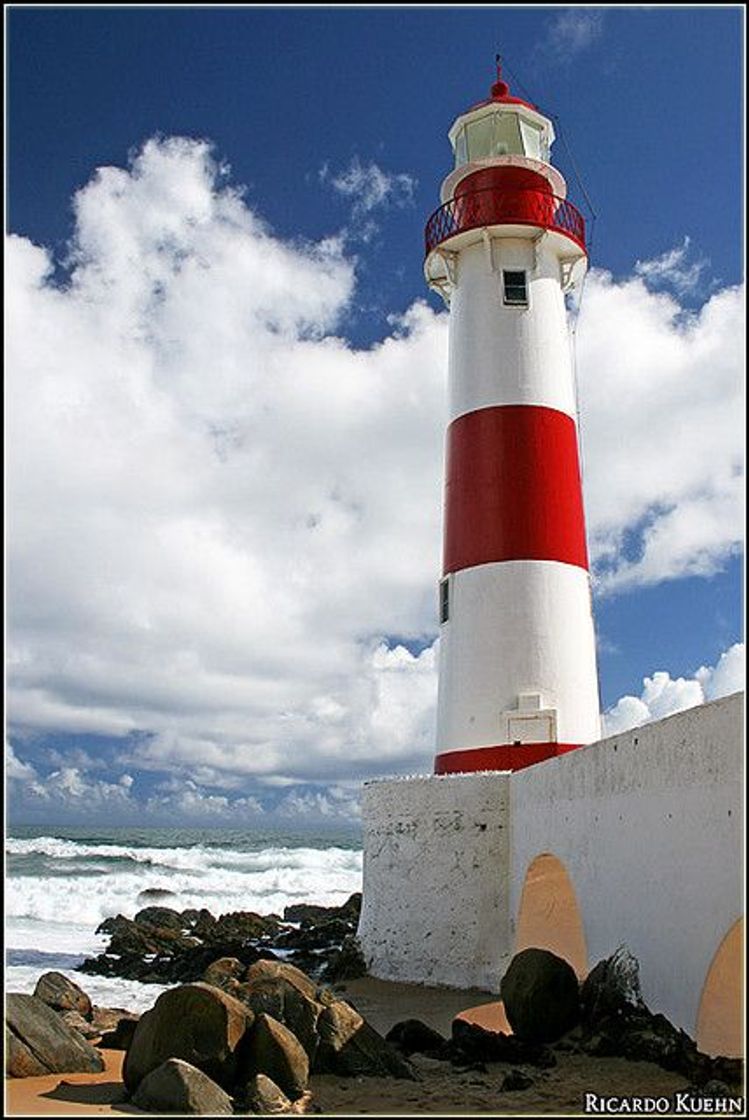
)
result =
(517, 666)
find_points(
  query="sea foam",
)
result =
(59, 890)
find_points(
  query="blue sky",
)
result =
(224, 469)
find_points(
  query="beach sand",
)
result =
(441, 1090)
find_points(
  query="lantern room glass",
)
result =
(499, 134)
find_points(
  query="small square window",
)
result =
(515, 289)
(444, 600)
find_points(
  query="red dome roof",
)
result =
(500, 92)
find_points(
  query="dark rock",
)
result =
(541, 996)
(611, 989)
(190, 917)
(62, 994)
(192, 963)
(121, 1037)
(40, 1042)
(239, 926)
(136, 939)
(155, 894)
(276, 1052)
(160, 916)
(184, 962)
(261, 1095)
(113, 925)
(309, 914)
(712, 1089)
(617, 1023)
(414, 1037)
(324, 935)
(177, 1086)
(348, 963)
(470, 1042)
(203, 924)
(198, 1023)
(516, 1080)
(351, 1047)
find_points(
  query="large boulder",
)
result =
(195, 1022)
(176, 1086)
(38, 1041)
(160, 916)
(274, 970)
(541, 995)
(285, 993)
(335, 1037)
(351, 1047)
(61, 994)
(224, 973)
(276, 1052)
(263, 1096)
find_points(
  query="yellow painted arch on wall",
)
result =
(720, 1017)
(549, 915)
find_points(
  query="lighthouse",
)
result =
(517, 663)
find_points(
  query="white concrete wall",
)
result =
(436, 879)
(649, 827)
(648, 824)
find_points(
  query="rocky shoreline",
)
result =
(164, 946)
(257, 1022)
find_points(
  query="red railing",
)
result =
(495, 206)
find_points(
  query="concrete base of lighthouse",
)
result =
(635, 840)
(436, 906)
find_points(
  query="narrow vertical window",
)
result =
(515, 289)
(444, 600)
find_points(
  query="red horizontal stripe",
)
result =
(506, 757)
(513, 489)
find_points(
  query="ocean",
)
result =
(62, 882)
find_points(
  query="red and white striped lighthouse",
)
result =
(517, 665)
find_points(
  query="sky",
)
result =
(226, 386)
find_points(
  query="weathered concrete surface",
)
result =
(648, 826)
(436, 879)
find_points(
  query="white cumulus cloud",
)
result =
(663, 445)
(663, 695)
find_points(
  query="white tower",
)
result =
(517, 675)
